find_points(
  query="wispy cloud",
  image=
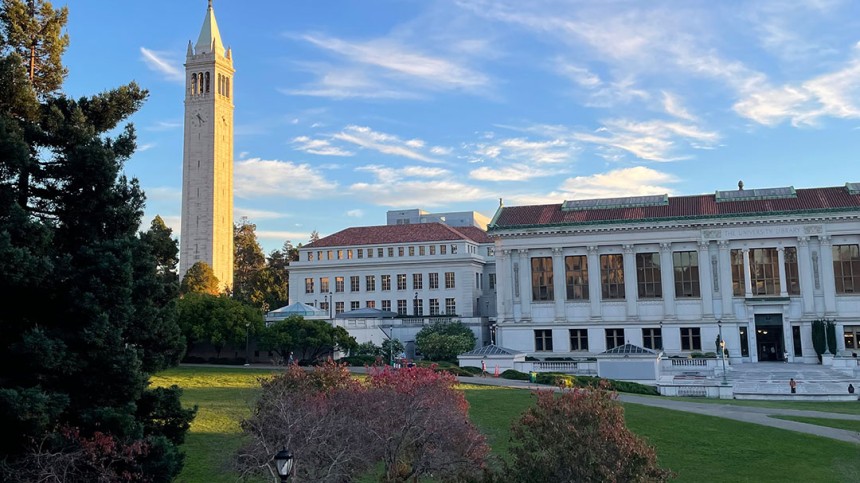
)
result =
(355, 213)
(653, 140)
(165, 125)
(256, 214)
(672, 105)
(318, 146)
(280, 235)
(145, 147)
(384, 143)
(256, 177)
(413, 186)
(161, 62)
(635, 181)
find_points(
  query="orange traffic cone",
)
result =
(496, 374)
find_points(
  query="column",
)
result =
(630, 292)
(752, 340)
(525, 284)
(705, 282)
(807, 282)
(747, 274)
(667, 280)
(594, 282)
(504, 285)
(828, 279)
(780, 256)
(559, 281)
(726, 279)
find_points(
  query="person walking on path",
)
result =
(784, 356)
(484, 367)
(793, 385)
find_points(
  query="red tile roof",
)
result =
(389, 234)
(683, 207)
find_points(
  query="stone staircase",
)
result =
(770, 380)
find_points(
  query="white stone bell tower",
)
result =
(207, 159)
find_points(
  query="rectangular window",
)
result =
(792, 278)
(542, 289)
(411, 251)
(399, 251)
(745, 342)
(349, 254)
(449, 279)
(491, 252)
(386, 283)
(417, 281)
(418, 307)
(329, 255)
(491, 279)
(386, 305)
(401, 281)
(310, 256)
(846, 268)
(453, 249)
(309, 285)
(354, 284)
(340, 254)
(421, 251)
(612, 276)
(432, 249)
(434, 280)
(370, 253)
(450, 306)
(401, 307)
(354, 305)
(851, 334)
(434, 306)
(691, 339)
(360, 253)
(338, 308)
(798, 347)
(576, 277)
(686, 266)
(738, 279)
(390, 252)
(543, 340)
(338, 284)
(648, 280)
(614, 338)
(319, 255)
(443, 249)
(578, 339)
(324, 306)
(652, 338)
(764, 271)
(370, 283)
(380, 252)
(371, 304)
(324, 288)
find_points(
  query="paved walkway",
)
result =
(746, 414)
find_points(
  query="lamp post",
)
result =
(285, 464)
(722, 350)
(415, 305)
(331, 305)
(247, 330)
(661, 336)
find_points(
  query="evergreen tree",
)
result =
(82, 357)
(248, 262)
(200, 278)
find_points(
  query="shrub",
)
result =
(568, 380)
(362, 360)
(514, 375)
(471, 370)
(444, 341)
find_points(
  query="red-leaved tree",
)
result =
(580, 435)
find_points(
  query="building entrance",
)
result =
(770, 343)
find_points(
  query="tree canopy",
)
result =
(217, 320)
(443, 341)
(200, 278)
(307, 339)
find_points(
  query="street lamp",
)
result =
(722, 350)
(415, 305)
(661, 336)
(247, 330)
(331, 305)
(285, 464)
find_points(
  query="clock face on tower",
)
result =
(198, 119)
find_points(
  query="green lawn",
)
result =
(698, 448)
(840, 407)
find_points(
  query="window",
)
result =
(648, 276)
(418, 306)
(798, 346)
(434, 280)
(543, 340)
(324, 284)
(453, 249)
(737, 261)
(338, 308)
(309, 285)
(450, 306)
(576, 277)
(340, 254)
(354, 305)
(491, 251)
(390, 252)
(443, 249)
(421, 250)
(401, 307)
(411, 251)
(432, 249)
(852, 337)
(477, 281)
(846, 268)
(386, 283)
(449, 279)
(338, 284)
(386, 305)
(492, 280)
(329, 255)
(612, 276)
(686, 266)
(310, 256)
(360, 253)
(578, 339)
(652, 338)
(614, 338)
(434, 306)
(764, 271)
(691, 339)
(542, 278)
(417, 281)
(354, 284)
(370, 283)
(745, 343)
(380, 252)
(792, 279)
(401, 281)
(369, 253)
(400, 251)
(319, 255)
(324, 306)
(349, 254)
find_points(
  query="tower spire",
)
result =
(210, 38)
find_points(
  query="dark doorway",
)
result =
(770, 343)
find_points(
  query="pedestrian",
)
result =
(784, 356)
(484, 367)
(793, 385)
(851, 389)
(290, 359)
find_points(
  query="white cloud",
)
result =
(145, 147)
(318, 146)
(256, 177)
(282, 235)
(652, 140)
(355, 213)
(254, 214)
(413, 186)
(441, 151)
(635, 181)
(384, 143)
(510, 173)
(165, 126)
(673, 107)
(159, 62)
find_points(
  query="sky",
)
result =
(348, 109)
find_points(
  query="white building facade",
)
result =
(422, 272)
(671, 273)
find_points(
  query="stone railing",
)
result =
(568, 367)
(714, 366)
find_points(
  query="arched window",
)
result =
(200, 82)
(193, 84)
(227, 86)
(207, 82)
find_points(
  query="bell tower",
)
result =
(207, 158)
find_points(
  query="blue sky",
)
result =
(345, 110)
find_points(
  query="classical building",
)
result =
(421, 272)
(454, 218)
(582, 277)
(207, 160)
